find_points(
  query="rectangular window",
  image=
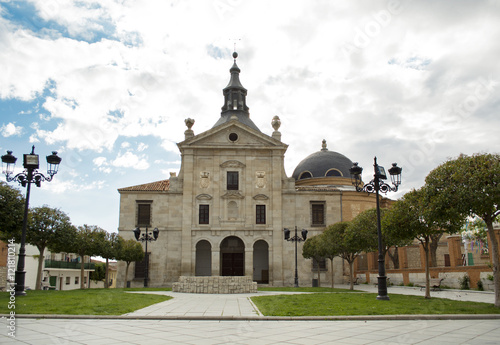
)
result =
(77, 279)
(204, 217)
(232, 180)
(321, 263)
(68, 280)
(260, 214)
(318, 214)
(144, 214)
(140, 267)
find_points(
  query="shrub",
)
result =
(490, 277)
(480, 285)
(464, 282)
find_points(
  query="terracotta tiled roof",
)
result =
(158, 186)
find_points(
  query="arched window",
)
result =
(334, 172)
(305, 174)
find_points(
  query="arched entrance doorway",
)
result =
(261, 262)
(232, 251)
(203, 258)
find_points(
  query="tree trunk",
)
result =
(394, 257)
(126, 274)
(496, 262)
(38, 285)
(319, 274)
(106, 276)
(82, 272)
(351, 273)
(427, 271)
(333, 274)
(433, 248)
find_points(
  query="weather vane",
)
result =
(234, 42)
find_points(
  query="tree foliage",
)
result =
(314, 248)
(44, 226)
(469, 186)
(99, 273)
(11, 212)
(415, 216)
(110, 250)
(88, 241)
(130, 251)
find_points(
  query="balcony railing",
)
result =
(68, 265)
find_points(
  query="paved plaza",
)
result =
(233, 319)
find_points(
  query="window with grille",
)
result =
(260, 214)
(144, 214)
(204, 214)
(321, 263)
(232, 180)
(318, 214)
(140, 267)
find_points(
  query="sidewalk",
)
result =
(232, 319)
(240, 306)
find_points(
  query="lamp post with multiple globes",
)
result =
(375, 186)
(26, 178)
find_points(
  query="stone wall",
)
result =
(215, 285)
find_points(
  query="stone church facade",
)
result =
(225, 212)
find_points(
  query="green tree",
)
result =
(415, 215)
(43, 224)
(88, 241)
(332, 248)
(130, 251)
(470, 186)
(349, 241)
(110, 250)
(12, 205)
(99, 273)
(314, 249)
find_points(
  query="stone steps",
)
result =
(215, 285)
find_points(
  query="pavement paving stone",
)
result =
(252, 331)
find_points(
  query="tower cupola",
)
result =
(235, 103)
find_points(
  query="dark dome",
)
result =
(323, 163)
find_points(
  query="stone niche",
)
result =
(215, 285)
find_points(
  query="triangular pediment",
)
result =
(232, 134)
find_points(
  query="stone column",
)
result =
(249, 261)
(215, 262)
(455, 250)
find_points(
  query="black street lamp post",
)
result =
(146, 237)
(375, 186)
(26, 178)
(295, 239)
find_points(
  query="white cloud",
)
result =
(421, 87)
(130, 160)
(142, 146)
(11, 129)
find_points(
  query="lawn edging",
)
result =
(267, 318)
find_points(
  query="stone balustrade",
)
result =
(215, 285)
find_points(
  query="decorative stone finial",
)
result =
(188, 133)
(189, 123)
(323, 146)
(276, 122)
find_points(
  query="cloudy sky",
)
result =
(108, 85)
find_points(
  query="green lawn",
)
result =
(81, 302)
(305, 289)
(332, 304)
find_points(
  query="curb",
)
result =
(266, 318)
